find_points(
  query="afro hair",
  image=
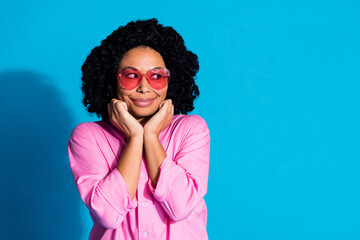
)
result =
(100, 67)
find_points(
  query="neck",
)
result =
(143, 121)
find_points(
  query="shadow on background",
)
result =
(38, 195)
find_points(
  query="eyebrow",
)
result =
(137, 69)
(131, 68)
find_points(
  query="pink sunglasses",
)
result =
(129, 78)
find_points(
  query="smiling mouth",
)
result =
(143, 102)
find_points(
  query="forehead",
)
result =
(142, 58)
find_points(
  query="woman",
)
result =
(142, 171)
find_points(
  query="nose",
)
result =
(144, 86)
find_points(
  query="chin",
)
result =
(143, 113)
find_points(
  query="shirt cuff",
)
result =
(167, 176)
(115, 191)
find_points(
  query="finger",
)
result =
(110, 109)
(121, 104)
(114, 100)
(170, 102)
(111, 114)
(125, 106)
(168, 105)
(120, 107)
(165, 104)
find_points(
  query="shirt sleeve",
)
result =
(182, 181)
(104, 191)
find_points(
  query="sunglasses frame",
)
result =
(120, 74)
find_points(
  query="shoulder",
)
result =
(189, 123)
(187, 132)
(91, 129)
(189, 120)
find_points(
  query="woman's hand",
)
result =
(163, 118)
(130, 160)
(154, 151)
(123, 120)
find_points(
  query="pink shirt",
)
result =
(175, 209)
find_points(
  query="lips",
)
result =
(143, 102)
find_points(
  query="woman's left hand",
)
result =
(163, 118)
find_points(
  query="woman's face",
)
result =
(142, 101)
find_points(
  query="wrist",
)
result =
(136, 133)
(136, 138)
(149, 135)
(148, 132)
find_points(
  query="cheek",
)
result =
(163, 93)
(120, 96)
(123, 95)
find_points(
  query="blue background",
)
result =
(279, 83)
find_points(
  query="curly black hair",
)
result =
(100, 67)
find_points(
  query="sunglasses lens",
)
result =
(158, 78)
(129, 78)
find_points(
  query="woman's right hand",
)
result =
(121, 118)
(130, 160)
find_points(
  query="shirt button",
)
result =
(144, 204)
(145, 234)
(142, 175)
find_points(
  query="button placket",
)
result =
(143, 215)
